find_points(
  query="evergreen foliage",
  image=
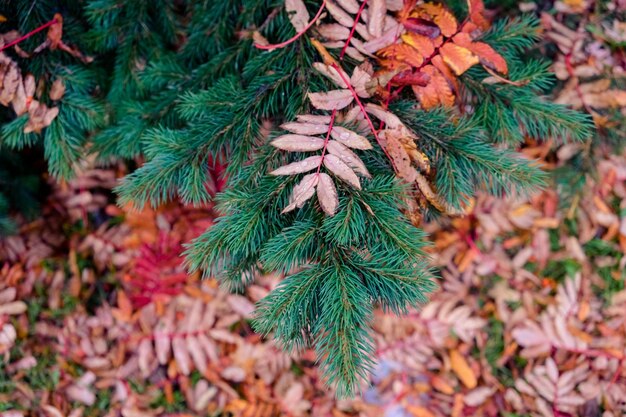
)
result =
(182, 85)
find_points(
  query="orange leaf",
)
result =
(437, 92)
(423, 44)
(487, 55)
(441, 385)
(403, 53)
(55, 33)
(442, 17)
(459, 59)
(477, 13)
(462, 369)
(418, 411)
(438, 63)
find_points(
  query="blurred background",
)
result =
(99, 318)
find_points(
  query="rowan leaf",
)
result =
(332, 73)
(350, 158)
(350, 6)
(315, 119)
(423, 44)
(339, 14)
(459, 59)
(437, 92)
(305, 128)
(299, 167)
(331, 100)
(477, 13)
(442, 17)
(360, 79)
(400, 157)
(446, 71)
(302, 192)
(422, 27)
(341, 170)
(334, 32)
(327, 194)
(403, 53)
(376, 17)
(298, 14)
(350, 138)
(485, 53)
(298, 143)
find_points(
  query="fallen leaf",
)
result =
(462, 369)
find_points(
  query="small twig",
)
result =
(28, 35)
(330, 128)
(356, 21)
(364, 112)
(295, 38)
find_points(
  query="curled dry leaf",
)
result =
(302, 192)
(327, 194)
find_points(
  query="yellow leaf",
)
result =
(423, 44)
(462, 369)
(459, 59)
(2, 18)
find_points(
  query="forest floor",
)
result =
(99, 318)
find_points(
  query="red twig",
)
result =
(293, 39)
(356, 21)
(28, 35)
(330, 128)
(367, 117)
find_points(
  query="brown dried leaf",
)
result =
(298, 14)
(313, 118)
(334, 32)
(303, 191)
(339, 14)
(361, 77)
(298, 143)
(350, 138)
(350, 6)
(332, 73)
(327, 194)
(331, 100)
(341, 170)
(299, 167)
(376, 17)
(350, 158)
(310, 126)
